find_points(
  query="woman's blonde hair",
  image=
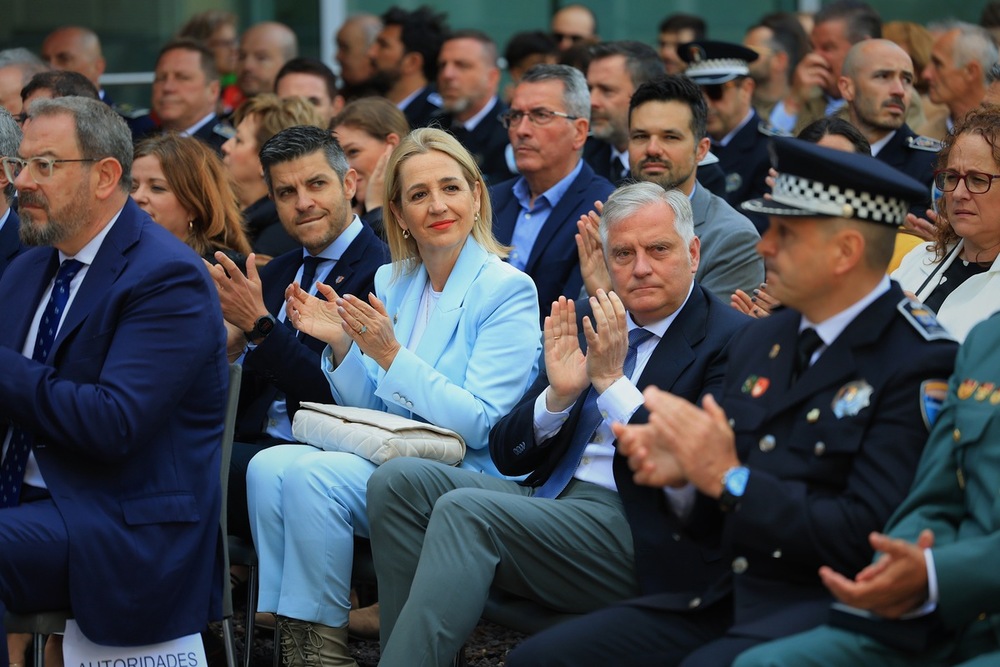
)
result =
(405, 254)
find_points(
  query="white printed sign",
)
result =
(78, 651)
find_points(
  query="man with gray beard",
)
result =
(467, 81)
(112, 396)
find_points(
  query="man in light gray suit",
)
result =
(666, 141)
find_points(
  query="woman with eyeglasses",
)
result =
(958, 275)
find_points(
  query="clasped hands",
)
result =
(339, 321)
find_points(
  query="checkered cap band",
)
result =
(718, 67)
(827, 199)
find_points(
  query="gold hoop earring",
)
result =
(406, 233)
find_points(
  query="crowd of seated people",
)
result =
(726, 394)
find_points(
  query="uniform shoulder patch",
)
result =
(769, 130)
(922, 143)
(710, 158)
(224, 130)
(923, 320)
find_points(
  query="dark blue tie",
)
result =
(590, 419)
(12, 468)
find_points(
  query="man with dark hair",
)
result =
(281, 368)
(815, 91)
(405, 56)
(57, 83)
(313, 80)
(616, 69)
(112, 397)
(10, 242)
(667, 118)
(468, 78)
(675, 30)
(185, 93)
(780, 42)
(812, 441)
(537, 212)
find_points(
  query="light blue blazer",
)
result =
(476, 358)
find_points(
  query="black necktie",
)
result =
(806, 345)
(309, 265)
(12, 468)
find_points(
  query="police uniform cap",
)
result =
(815, 181)
(715, 62)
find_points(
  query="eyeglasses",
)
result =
(976, 182)
(512, 117)
(40, 168)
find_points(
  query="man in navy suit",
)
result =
(10, 242)
(311, 184)
(112, 395)
(537, 212)
(813, 438)
(577, 534)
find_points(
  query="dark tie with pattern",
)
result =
(590, 419)
(806, 345)
(12, 468)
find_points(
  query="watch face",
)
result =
(264, 325)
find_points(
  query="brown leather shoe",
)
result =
(364, 623)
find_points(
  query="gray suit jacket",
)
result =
(729, 258)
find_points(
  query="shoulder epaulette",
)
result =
(922, 143)
(769, 130)
(923, 320)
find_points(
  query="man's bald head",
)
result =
(75, 49)
(264, 48)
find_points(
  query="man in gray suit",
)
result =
(666, 142)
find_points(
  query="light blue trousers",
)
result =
(306, 506)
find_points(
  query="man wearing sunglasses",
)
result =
(739, 136)
(537, 212)
(572, 25)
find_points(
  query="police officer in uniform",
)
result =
(877, 84)
(815, 436)
(739, 136)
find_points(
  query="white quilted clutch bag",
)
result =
(374, 435)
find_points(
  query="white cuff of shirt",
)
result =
(546, 423)
(619, 401)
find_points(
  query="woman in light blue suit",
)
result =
(451, 338)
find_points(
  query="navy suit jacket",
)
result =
(127, 417)
(916, 162)
(830, 456)
(554, 264)
(290, 364)
(689, 361)
(421, 110)
(10, 242)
